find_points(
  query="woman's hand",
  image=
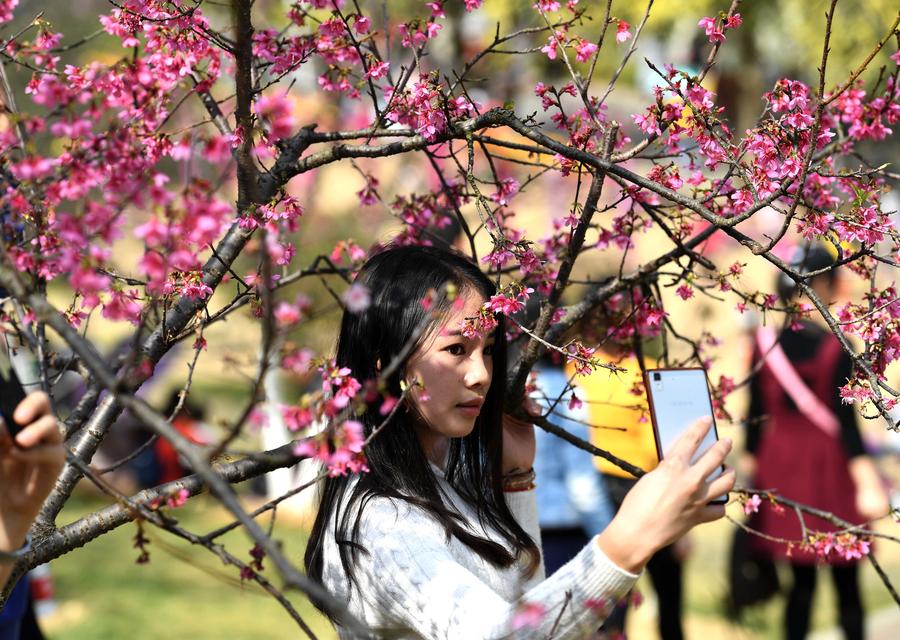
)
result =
(667, 502)
(518, 440)
(872, 500)
(27, 471)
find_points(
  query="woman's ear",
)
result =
(378, 366)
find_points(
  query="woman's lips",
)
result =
(471, 408)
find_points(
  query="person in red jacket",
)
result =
(804, 443)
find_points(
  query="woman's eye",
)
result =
(455, 350)
(489, 350)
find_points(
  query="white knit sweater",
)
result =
(415, 584)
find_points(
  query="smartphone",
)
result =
(11, 392)
(678, 398)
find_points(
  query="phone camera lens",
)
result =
(657, 377)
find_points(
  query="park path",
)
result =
(883, 624)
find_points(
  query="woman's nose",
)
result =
(477, 374)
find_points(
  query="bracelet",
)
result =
(526, 487)
(519, 481)
(18, 554)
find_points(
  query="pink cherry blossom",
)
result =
(33, 168)
(622, 31)
(276, 112)
(574, 402)
(713, 32)
(733, 21)
(685, 291)
(528, 615)
(368, 195)
(362, 24)
(507, 188)
(502, 304)
(288, 314)
(6, 10)
(345, 456)
(647, 122)
(855, 392)
(751, 505)
(378, 70)
(123, 305)
(178, 498)
(550, 48)
(349, 248)
(547, 6)
(298, 361)
(297, 418)
(388, 405)
(580, 357)
(584, 50)
(357, 298)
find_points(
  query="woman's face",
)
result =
(456, 373)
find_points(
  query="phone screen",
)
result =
(678, 398)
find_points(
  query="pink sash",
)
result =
(807, 402)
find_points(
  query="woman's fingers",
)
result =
(35, 405)
(721, 485)
(44, 454)
(687, 443)
(711, 512)
(40, 441)
(713, 458)
(44, 430)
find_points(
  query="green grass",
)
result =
(706, 585)
(184, 591)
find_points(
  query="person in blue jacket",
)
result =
(572, 501)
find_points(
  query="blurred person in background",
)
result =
(188, 420)
(573, 504)
(805, 443)
(572, 500)
(618, 414)
(28, 470)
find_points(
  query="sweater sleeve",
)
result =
(413, 580)
(524, 508)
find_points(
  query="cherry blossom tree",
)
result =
(188, 143)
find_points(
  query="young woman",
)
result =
(440, 539)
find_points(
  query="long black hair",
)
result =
(398, 280)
